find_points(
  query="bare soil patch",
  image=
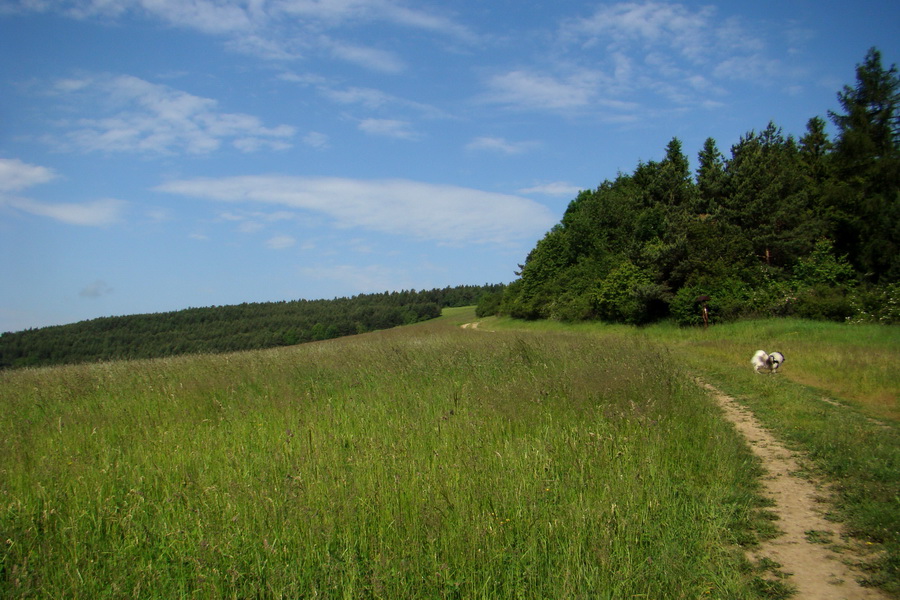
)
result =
(815, 553)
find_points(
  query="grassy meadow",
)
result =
(837, 398)
(427, 461)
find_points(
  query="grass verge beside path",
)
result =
(836, 398)
(421, 462)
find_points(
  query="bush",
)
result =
(685, 309)
(823, 303)
(572, 306)
(876, 305)
(728, 300)
(489, 304)
(617, 297)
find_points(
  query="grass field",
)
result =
(423, 462)
(837, 398)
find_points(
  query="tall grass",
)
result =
(856, 363)
(420, 462)
(837, 397)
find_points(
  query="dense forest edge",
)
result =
(216, 329)
(806, 227)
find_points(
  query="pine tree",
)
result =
(870, 128)
(866, 200)
(710, 178)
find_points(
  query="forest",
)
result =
(808, 227)
(248, 326)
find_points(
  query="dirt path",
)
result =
(804, 549)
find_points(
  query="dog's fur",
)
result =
(770, 362)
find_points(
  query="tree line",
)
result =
(783, 226)
(248, 326)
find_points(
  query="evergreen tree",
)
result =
(710, 178)
(815, 148)
(870, 127)
(866, 200)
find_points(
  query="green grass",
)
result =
(853, 441)
(420, 462)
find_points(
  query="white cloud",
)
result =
(495, 144)
(538, 91)
(336, 12)
(280, 242)
(144, 117)
(440, 213)
(388, 127)
(614, 61)
(647, 42)
(370, 58)
(274, 29)
(556, 188)
(648, 24)
(16, 175)
(96, 213)
(368, 97)
(316, 139)
(374, 99)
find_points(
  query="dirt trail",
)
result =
(804, 549)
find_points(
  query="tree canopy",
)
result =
(782, 226)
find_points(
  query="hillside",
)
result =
(228, 328)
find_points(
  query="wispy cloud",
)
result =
(608, 62)
(496, 144)
(144, 117)
(16, 175)
(672, 41)
(274, 29)
(439, 213)
(527, 89)
(369, 98)
(280, 242)
(555, 188)
(95, 213)
(389, 127)
(373, 59)
(316, 139)
(649, 24)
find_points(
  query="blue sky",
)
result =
(162, 154)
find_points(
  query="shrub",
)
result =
(617, 298)
(728, 300)
(876, 305)
(823, 303)
(489, 304)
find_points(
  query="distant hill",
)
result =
(248, 326)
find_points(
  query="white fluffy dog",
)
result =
(769, 362)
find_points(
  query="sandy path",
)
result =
(817, 571)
